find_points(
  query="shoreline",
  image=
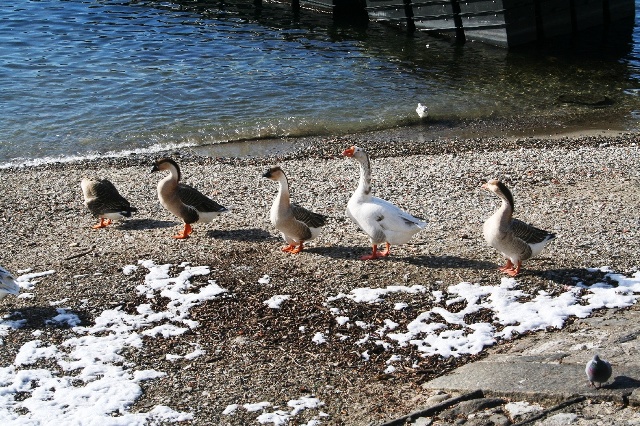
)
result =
(585, 189)
(493, 131)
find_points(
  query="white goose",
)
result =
(295, 223)
(185, 202)
(381, 220)
(7, 284)
(104, 201)
(516, 240)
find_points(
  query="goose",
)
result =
(104, 201)
(422, 110)
(182, 200)
(516, 240)
(7, 284)
(381, 220)
(295, 223)
(598, 371)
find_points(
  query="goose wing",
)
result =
(530, 234)
(393, 218)
(309, 218)
(194, 198)
(7, 282)
(107, 199)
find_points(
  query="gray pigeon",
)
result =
(598, 371)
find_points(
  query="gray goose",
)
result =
(182, 200)
(7, 284)
(381, 220)
(516, 240)
(104, 201)
(295, 223)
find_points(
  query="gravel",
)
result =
(585, 188)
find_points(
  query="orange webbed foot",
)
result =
(288, 248)
(103, 223)
(298, 249)
(506, 268)
(386, 252)
(374, 254)
(185, 232)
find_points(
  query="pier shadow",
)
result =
(139, 224)
(246, 234)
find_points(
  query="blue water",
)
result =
(83, 78)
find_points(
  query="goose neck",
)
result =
(283, 190)
(364, 184)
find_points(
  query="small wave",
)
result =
(31, 162)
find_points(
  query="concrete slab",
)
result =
(506, 376)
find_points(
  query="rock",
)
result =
(561, 419)
(466, 408)
(436, 399)
(634, 398)
(499, 420)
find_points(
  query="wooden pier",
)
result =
(505, 23)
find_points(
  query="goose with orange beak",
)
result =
(514, 239)
(381, 220)
(182, 200)
(295, 223)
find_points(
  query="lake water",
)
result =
(85, 78)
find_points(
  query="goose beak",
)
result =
(154, 169)
(484, 186)
(267, 174)
(349, 151)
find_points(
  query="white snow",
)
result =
(319, 338)
(275, 301)
(87, 379)
(279, 416)
(266, 279)
(513, 310)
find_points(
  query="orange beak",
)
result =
(349, 151)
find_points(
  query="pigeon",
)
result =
(422, 110)
(598, 371)
(7, 284)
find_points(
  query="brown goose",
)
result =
(295, 223)
(104, 201)
(185, 202)
(516, 240)
(381, 220)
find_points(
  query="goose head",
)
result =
(500, 189)
(166, 164)
(355, 152)
(274, 173)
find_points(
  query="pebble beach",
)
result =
(585, 187)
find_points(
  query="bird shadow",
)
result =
(623, 383)
(338, 252)
(572, 276)
(146, 224)
(39, 317)
(455, 262)
(247, 234)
